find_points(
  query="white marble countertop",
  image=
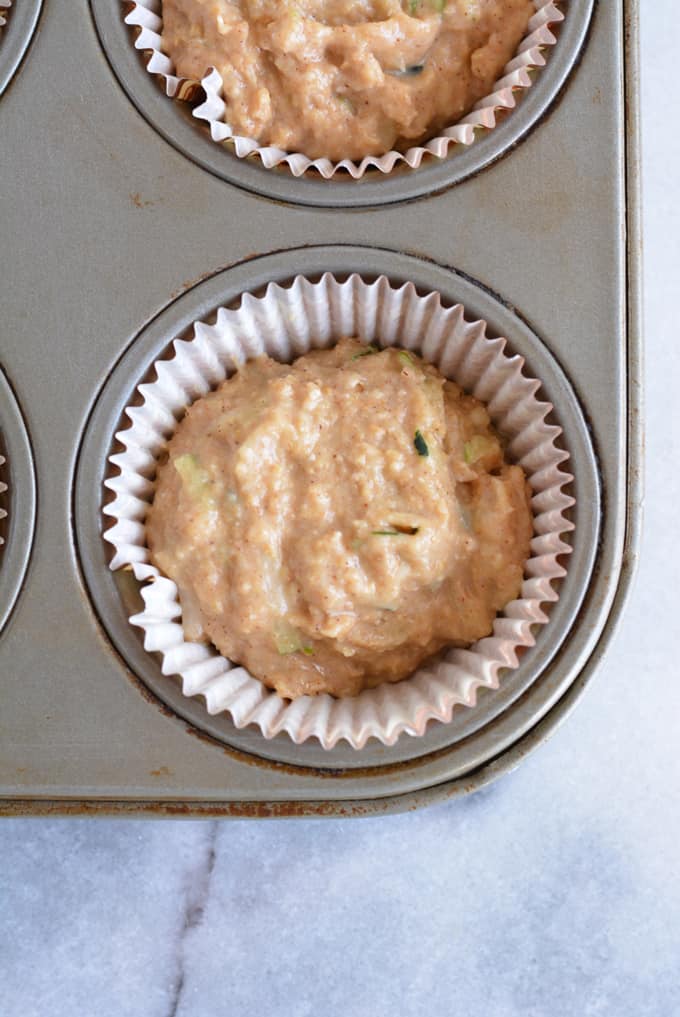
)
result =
(554, 893)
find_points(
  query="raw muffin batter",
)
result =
(345, 78)
(332, 523)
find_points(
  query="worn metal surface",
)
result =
(114, 225)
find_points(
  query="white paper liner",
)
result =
(285, 323)
(4, 6)
(3, 486)
(516, 77)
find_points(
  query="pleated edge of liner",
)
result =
(4, 6)
(3, 490)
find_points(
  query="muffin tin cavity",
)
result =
(17, 499)
(16, 33)
(116, 595)
(175, 121)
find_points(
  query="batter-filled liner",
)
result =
(284, 323)
(517, 77)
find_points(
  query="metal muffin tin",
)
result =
(121, 241)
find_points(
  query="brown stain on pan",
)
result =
(186, 810)
(139, 202)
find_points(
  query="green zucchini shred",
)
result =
(420, 444)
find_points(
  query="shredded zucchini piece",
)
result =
(420, 444)
(477, 447)
(195, 478)
(289, 640)
(365, 353)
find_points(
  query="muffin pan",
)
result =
(21, 19)
(147, 242)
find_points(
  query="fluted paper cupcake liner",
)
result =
(285, 323)
(3, 489)
(145, 16)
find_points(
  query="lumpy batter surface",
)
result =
(332, 523)
(345, 78)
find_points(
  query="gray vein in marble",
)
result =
(196, 898)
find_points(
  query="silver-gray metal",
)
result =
(19, 474)
(173, 120)
(15, 37)
(109, 225)
(115, 600)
